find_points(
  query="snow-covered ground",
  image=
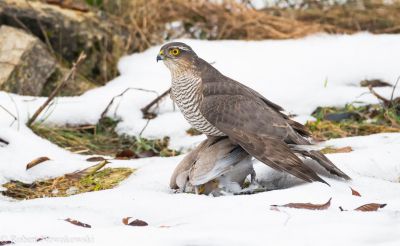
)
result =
(297, 74)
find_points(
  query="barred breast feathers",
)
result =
(187, 95)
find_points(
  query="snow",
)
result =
(299, 75)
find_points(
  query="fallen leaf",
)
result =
(36, 161)
(6, 242)
(330, 150)
(136, 222)
(309, 206)
(78, 223)
(354, 192)
(370, 207)
(87, 171)
(125, 154)
(95, 159)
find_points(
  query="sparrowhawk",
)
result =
(219, 106)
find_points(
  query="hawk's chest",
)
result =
(185, 92)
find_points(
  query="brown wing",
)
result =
(215, 83)
(254, 125)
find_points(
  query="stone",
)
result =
(70, 31)
(25, 62)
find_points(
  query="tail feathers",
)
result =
(323, 161)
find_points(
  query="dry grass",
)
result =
(148, 21)
(354, 121)
(324, 129)
(63, 186)
(374, 17)
(101, 139)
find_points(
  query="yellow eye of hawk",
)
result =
(174, 52)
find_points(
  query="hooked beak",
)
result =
(160, 56)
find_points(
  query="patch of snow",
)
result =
(291, 73)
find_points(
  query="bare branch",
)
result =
(144, 128)
(68, 76)
(11, 114)
(385, 101)
(16, 110)
(103, 114)
(394, 88)
(146, 109)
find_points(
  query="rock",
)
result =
(25, 63)
(70, 31)
(74, 87)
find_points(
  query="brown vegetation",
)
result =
(375, 17)
(67, 185)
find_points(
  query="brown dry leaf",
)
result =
(78, 223)
(95, 159)
(125, 154)
(136, 222)
(309, 206)
(87, 171)
(36, 162)
(370, 207)
(354, 192)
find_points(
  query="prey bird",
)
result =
(215, 166)
(219, 106)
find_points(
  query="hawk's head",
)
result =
(176, 55)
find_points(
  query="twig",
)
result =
(16, 110)
(144, 128)
(385, 101)
(394, 88)
(68, 76)
(103, 114)
(11, 114)
(4, 141)
(46, 38)
(146, 109)
(21, 24)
